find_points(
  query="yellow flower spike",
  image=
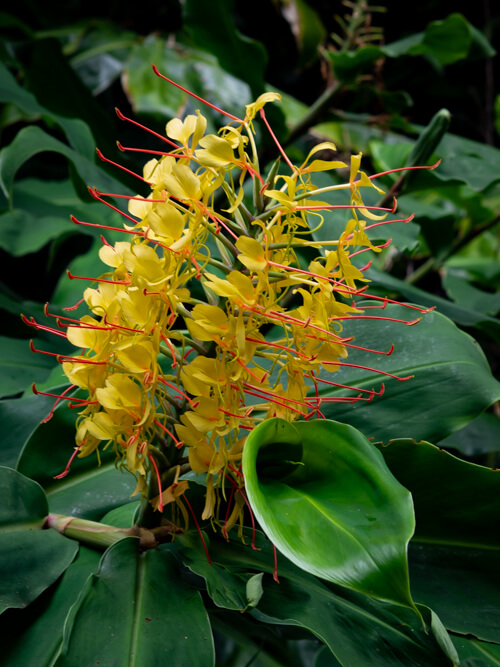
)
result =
(172, 494)
(136, 356)
(85, 375)
(252, 254)
(90, 335)
(166, 222)
(209, 323)
(237, 287)
(216, 152)
(261, 101)
(183, 184)
(135, 457)
(205, 417)
(120, 392)
(321, 165)
(182, 131)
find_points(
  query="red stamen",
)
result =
(51, 413)
(116, 164)
(41, 327)
(200, 99)
(175, 388)
(158, 479)
(147, 150)
(98, 280)
(113, 229)
(60, 396)
(199, 530)
(122, 116)
(177, 443)
(374, 317)
(275, 573)
(393, 171)
(367, 368)
(328, 207)
(172, 351)
(358, 252)
(66, 470)
(275, 139)
(93, 192)
(76, 304)
(67, 358)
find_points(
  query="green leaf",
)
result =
(89, 490)
(254, 589)
(160, 618)
(479, 437)
(42, 213)
(459, 289)
(226, 588)
(463, 316)
(33, 140)
(198, 71)
(307, 28)
(357, 629)
(327, 501)
(24, 505)
(474, 653)
(212, 29)
(76, 131)
(454, 553)
(451, 384)
(34, 636)
(30, 559)
(445, 41)
(19, 367)
(18, 418)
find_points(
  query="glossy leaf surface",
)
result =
(452, 381)
(34, 635)
(89, 490)
(31, 559)
(455, 551)
(392, 636)
(327, 501)
(138, 612)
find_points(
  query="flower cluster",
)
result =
(207, 321)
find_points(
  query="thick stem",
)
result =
(95, 534)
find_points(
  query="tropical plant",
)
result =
(235, 466)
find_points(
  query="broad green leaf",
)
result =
(18, 418)
(479, 437)
(213, 30)
(326, 499)
(161, 620)
(307, 28)
(76, 131)
(459, 289)
(89, 490)
(199, 72)
(357, 629)
(19, 367)
(454, 553)
(24, 504)
(33, 140)
(463, 316)
(474, 653)
(451, 384)
(446, 41)
(34, 635)
(226, 588)
(42, 213)
(31, 559)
